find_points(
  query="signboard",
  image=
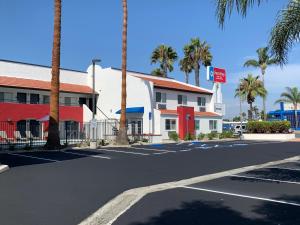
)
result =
(219, 108)
(216, 75)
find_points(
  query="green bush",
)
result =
(268, 126)
(173, 135)
(212, 135)
(189, 137)
(226, 134)
(201, 136)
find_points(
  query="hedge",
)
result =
(268, 126)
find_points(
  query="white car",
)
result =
(238, 130)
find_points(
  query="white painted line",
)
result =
(185, 150)
(243, 196)
(160, 153)
(180, 143)
(153, 149)
(191, 144)
(283, 168)
(118, 151)
(265, 179)
(204, 147)
(34, 157)
(86, 155)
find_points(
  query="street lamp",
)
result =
(94, 61)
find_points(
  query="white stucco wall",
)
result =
(204, 124)
(36, 72)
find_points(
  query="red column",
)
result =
(186, 121)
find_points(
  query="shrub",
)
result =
(173, 135)
(201, 136)
(268, 126)
(226, 134)
(212, 135)
(189, 137)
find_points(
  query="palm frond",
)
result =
(251, 62)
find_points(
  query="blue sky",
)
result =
(92, 28)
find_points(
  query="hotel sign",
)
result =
(216, 75)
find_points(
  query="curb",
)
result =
(110, 212)
(3, 168)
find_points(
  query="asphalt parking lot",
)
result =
(72, 184)
(260, 197)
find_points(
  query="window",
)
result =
(213, 124)
(170, 124)
(22, 97)
(201, 101)
(34, 98)
(82, 101)
(197, 124)
(182, 99)
(68, 101)
(46, 99)
(6, 97)
(161, 97)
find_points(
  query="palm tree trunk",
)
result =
(186, 77)
(165, 69)
(197, 74)
(53, 141)
(122, 138)
(264, 98)
(296, 116)
(250, 117)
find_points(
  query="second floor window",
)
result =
(46, 99)
(6, 97)
(68, 101)
(22, 97)
(182, 99)
(201, 101)
(161, 97)
(34, 99)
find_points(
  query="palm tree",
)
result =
(249, 88)
(53, 141)
(285, 32)
(165, 56)
(198, 53)
(186, 67)
(122, 138)
(292, 95)
(157, 72)
(264, 60)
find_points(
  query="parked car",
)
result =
(238, 129)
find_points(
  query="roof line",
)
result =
(32, 64)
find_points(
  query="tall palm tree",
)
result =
(186, 67)
(165, 56)
(53, 141)
(199, 54)
(264, 60)
(285, 32)
(249, 88)
(291, 95)
(157, 72)
(122, 138)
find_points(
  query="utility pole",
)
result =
(94, 61)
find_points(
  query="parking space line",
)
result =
(153, 149)
(160, 153)
(33, 157)
(86, 155)
(185, 150)
(118, 151)
(282, 168)
(242, 196)
(265, 179)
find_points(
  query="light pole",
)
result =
(94, 61)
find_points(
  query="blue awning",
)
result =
(132, 110)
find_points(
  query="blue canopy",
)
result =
(132, 110)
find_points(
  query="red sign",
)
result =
(219, 75)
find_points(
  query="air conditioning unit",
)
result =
(202, 109)
(161, 106)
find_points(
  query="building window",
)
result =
(213, 125)
(46, 99)
(67, 101)
(22, 97)
(161, 97)
(170, 124)
(201, 101)
(34, 98)
(182, 99)
(6, 97)
(197, 124)
(82, 101)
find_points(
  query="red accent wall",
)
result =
(185, 126)
(10, 113)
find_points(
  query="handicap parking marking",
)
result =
(242, 196)
(33, 157)
(125, 152)
(265, 179)
(87, 155)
